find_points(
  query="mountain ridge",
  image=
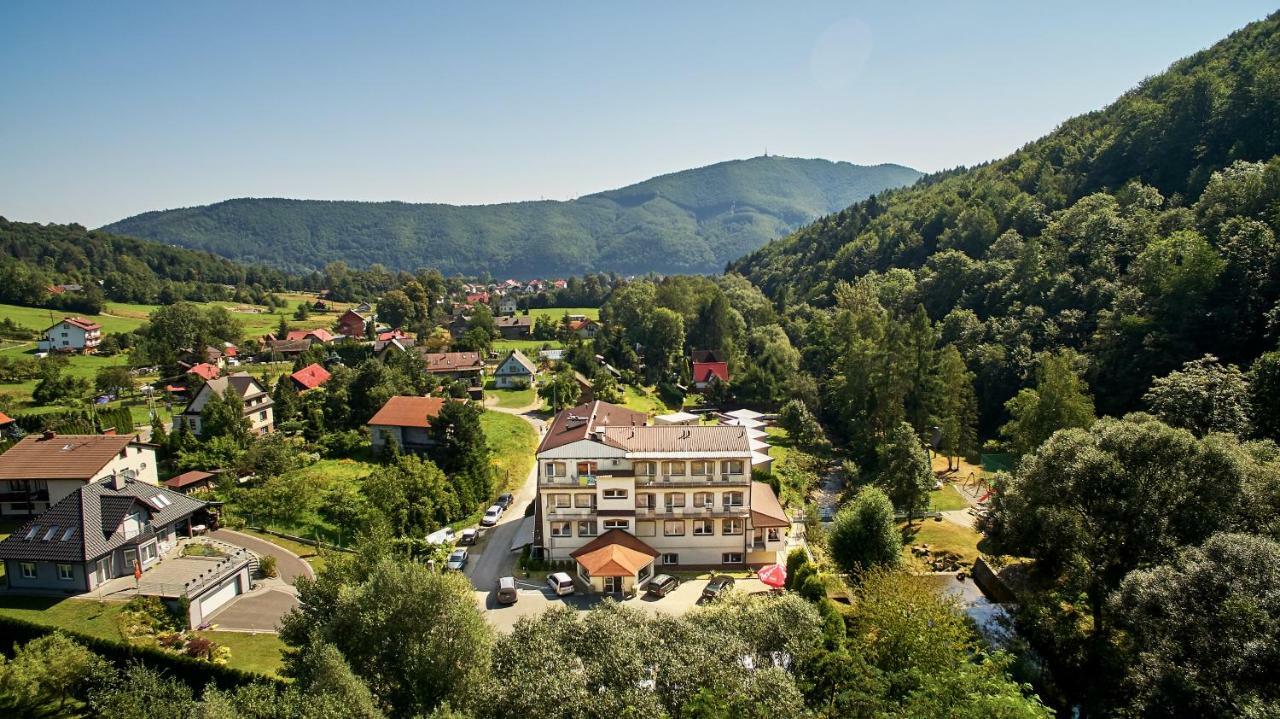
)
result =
(694, 220)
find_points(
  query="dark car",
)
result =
(505, 500)
(717, 586)
(662, 585)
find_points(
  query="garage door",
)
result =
(221, 596)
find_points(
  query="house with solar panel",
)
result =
(118, 527)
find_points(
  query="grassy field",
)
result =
(529, 348)
(511, 398)
(946, 499)
(261, 653)
(942, 536)
(643, 400)
(556, 313)
(513, 442)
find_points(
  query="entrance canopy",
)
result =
(616, 553)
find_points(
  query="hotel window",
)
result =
(731, 558)
(646, 529)
(646, 469)
(65, 572)
(703, 528)
(615, 494)
(732, 499)
(562, 529)
(584, 501)
(703, 469)
(673, 469)
(556, 469)
(262, 415)
(733, 466)
(616, 524)
(28, 570)
(671, 559)
(673, 528)
(704, 499)
(644, 500)
(773, 534)
(560, 500)
(731, 526)
(674, 499)
(587, 528)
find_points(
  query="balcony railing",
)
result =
(572, 511)
(582, 480)
(718, 510)
(691, 480)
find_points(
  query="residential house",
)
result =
(115, 527)
(477, 298)
(585, 327)
(287, 349)
(257, 403)
(508, 305)
(467, 366)
(193, 482)
(399, 344)
(204, 371)
(514, 327)
(318, 335)
(40, 469)
(456, 324)
(353, 323)
(71, 334)
(310, 377)
(625, 499)
(404, 420)
(515, 371)
(709, 367)
(586, 388)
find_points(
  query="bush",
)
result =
(813, 588)
(342, 444)
(267, 566)
(795, 560)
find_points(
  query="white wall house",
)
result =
(257, 403)
(72, 334)
(685, 493)
(40, 470)
(515, 371)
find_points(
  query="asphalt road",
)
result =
(491, 557)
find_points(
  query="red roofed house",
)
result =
(310, 377)
(72, 334)
(192, 482)
(353, 324)
(585, 327)
(204, 371)
(320, 335)
(478, 298)
(404, 420)
(709, 366)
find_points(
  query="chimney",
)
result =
(48, 435)
(117, 481)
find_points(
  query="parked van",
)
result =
(560, 583)
(507, 593)
(443, 536)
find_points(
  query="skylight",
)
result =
(71, 532)
(53, 529)
(32, 532)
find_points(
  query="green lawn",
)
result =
(261, 653)
(643, 400)
(946, 499)
(529, 348)
(558, 313)
(513, 442)
(941, 536)
(81, 615)
(320, 476)
(512, 398)
(39, 319)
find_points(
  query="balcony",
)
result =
(571, 511)
(662, 511)
(584, 480)
(671, 480)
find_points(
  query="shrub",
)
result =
(795, 560)
(267, 566)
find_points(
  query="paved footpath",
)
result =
(260, 610)
(289, 566)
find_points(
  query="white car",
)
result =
(491, 516)
(457, 560)
(443, 536)
(560, 583)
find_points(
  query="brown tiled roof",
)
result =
(572, 425)
(513, 321)
(616, 553)
(679, 438)
(204, 371)
(319, 335)
(408, 412)
(301, 345)
(64, 456)
(82, 323)
(766, 510)
(187, 478)
(452, 361)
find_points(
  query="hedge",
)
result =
(195, 673)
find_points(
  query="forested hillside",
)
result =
(33, 257)
(693, 221)
(1142, 235)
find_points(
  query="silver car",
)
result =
(491, 516)
(457, 560)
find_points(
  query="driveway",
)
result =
(491, 557)
(261, 609)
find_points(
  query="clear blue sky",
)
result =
(109, 109)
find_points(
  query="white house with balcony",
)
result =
(72, 334)
(254, 398)
(677, 496)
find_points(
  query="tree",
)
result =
(1264, 395)
(414, 496)
(1205, 630)
(1060, 400)
(56, 386)
(49, 669)
(802, 427)
(417, 635)
(462, 451)
(957, 405)
(606, 389)
(1203, 397)
(395, 308)
(905, 475)
(140, 693)
(475, 339)
(864, 534)
(663, 344)
(561, 390)
(482, 319)
(303, 312)
(286, 402)
(223, 416)
(114, 379)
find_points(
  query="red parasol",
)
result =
(775, 575)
